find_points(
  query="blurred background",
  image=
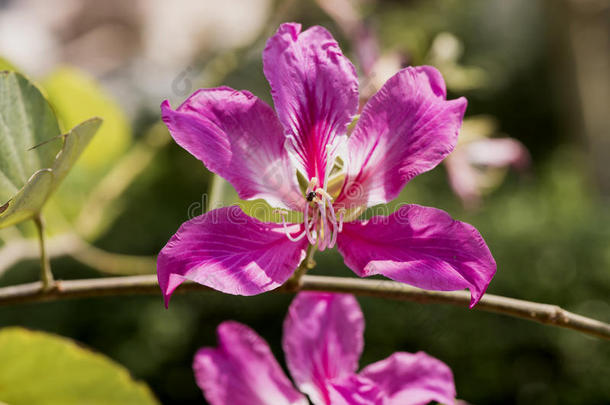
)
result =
(531, 173)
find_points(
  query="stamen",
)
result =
(308, 231)
(324, 194)
(314, 221)
(333, 221)
(342, 212)
(323, 232)
(322, 227)
(313, 183)
(333, 240)
(286, 231)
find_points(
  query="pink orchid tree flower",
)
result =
(323, 341)
(405, 129)
(479, 165)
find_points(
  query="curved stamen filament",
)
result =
(335, 227)
(323, 232)
(287, 231)
(324, 194)
(308, 225)
(313, 232)
(306, 232)
(342, 212)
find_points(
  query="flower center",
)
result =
(319, 217)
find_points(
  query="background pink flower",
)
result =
(323, 340)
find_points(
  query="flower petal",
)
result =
(323, 340)
(242, 371)
(315, 91)
(238, 137)
(498, 152)
(405, 129)
(412, 379)
(354, 390)
(420, 246)
(229, 251)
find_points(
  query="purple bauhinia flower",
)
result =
(405, 129)
(323, 340)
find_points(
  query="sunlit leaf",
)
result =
(30, 167)
(40, 368)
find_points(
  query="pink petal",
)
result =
(498, 152)
(420, 246)
(405, 129)
(229, 251)
(242, 371)
(354, 390)
(315, 91)
(412, 379)
(322, 340)
(463, 178)
(238, 137)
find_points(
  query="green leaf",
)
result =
(30, 167)
(75, 143)
(40, 368)
(30, 199)
(26, 120)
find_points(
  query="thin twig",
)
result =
(45, 264)
(109, 286)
